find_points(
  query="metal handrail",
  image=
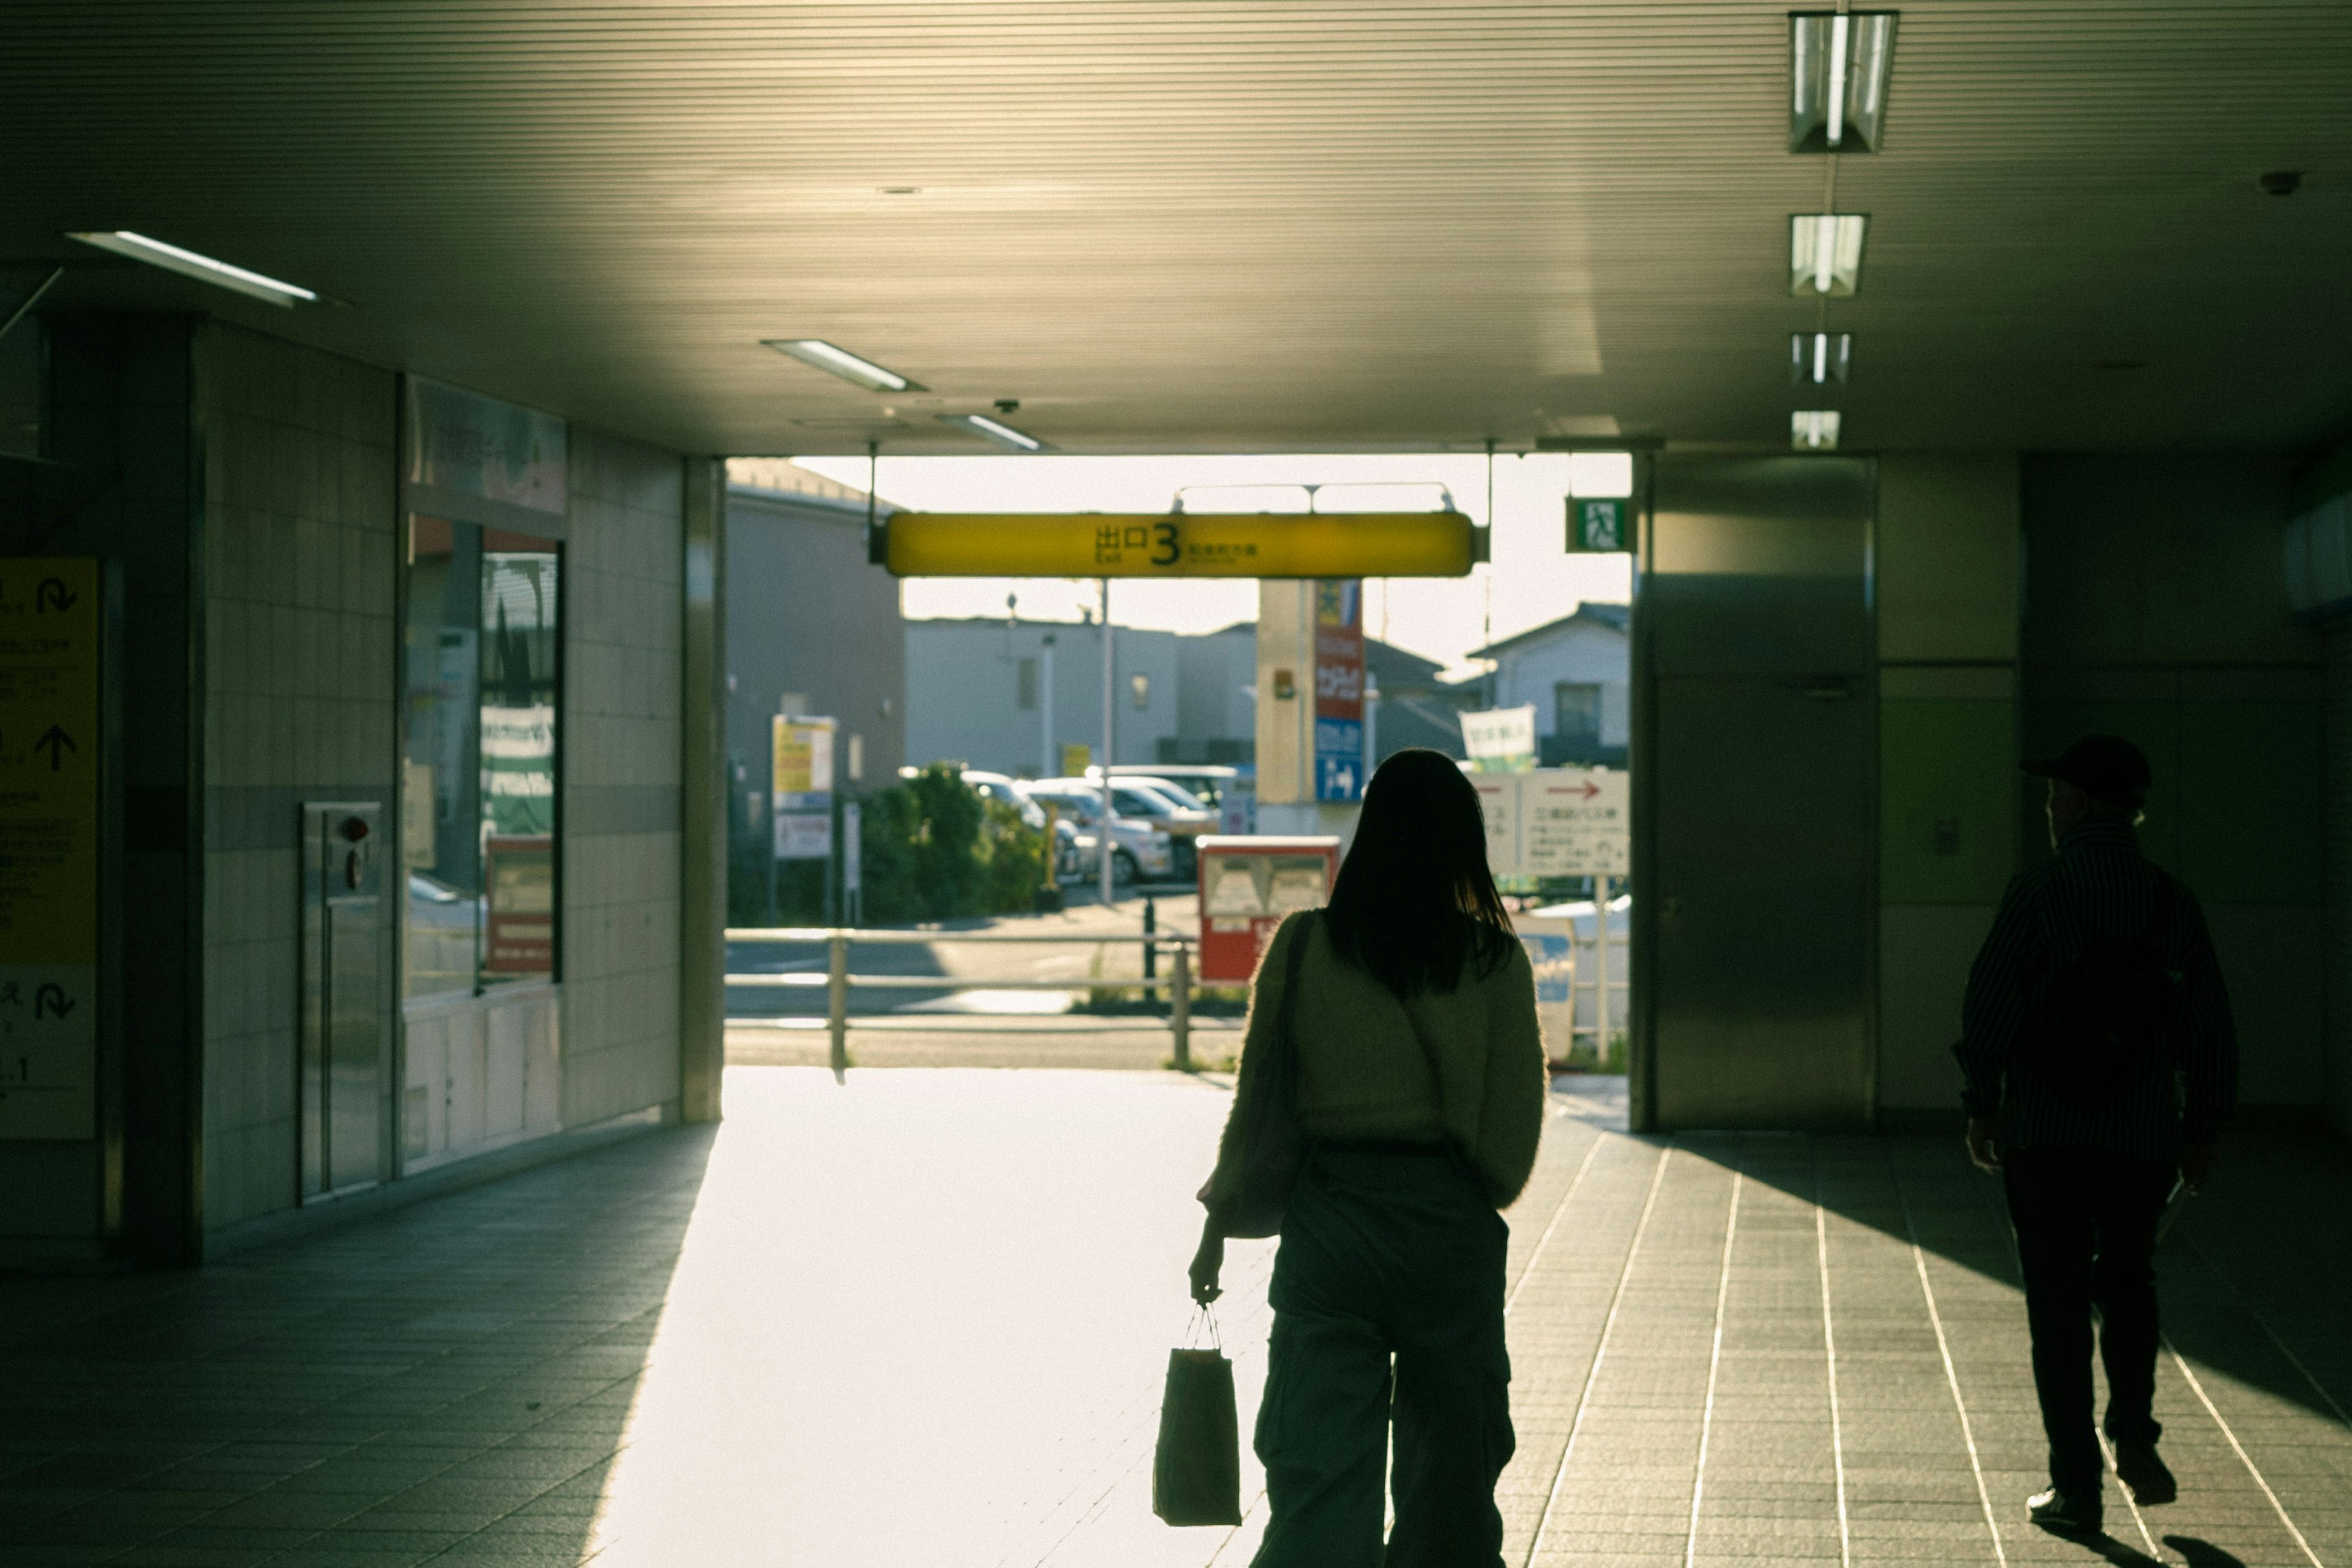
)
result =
(812, 936)
(838, 981)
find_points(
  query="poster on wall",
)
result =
(1338, 688)
(49, 778)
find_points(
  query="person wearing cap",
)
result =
(2100, 1063)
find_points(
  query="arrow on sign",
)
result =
(57, 743)
(53, 594)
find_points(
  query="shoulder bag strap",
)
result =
(1287, 1035)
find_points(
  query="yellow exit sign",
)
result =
(1348, 544)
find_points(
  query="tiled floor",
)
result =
(921, 1320)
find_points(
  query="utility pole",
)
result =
(1109, 734)
(1049, 765)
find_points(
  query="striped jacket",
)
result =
(2097, 887)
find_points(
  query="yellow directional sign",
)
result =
(1341, 545)
(49, 847)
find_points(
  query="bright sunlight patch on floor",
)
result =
(922, 1318)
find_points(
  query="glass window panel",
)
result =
(520, 646)
(481, 669)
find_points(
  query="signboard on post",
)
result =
(1558, 822)
(49, 629)
(1600, 525)
(1225, 544)
(802, 787)
(1339, 690)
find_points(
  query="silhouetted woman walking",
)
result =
(1421, 1092)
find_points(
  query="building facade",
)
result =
(1577, 673)
(813, 628)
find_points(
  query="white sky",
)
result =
(1533, 578)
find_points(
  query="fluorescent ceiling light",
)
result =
(1838, 66)
(1813, 430)
(1819, 358)
(1825, 252)
(189, 264)
(1002, 434)
(1600, 474)
(843, 364)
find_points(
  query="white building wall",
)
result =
(1580, 652)
(963, 693)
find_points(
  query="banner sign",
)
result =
(49, 629)
(1236, 544)
(1339, 689)
(1501, 739)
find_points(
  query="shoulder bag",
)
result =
(1271, 1143)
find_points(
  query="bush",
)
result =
(934, 849)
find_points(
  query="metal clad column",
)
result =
(1757, 869)
(702, 874)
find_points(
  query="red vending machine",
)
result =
(1247, 885)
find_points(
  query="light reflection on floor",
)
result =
(922, 1319)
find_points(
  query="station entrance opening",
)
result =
(1751, 877)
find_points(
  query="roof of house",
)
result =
(1610, 617)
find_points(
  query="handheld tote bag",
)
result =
(1196, 1468)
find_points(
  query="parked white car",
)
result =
(1140, 848)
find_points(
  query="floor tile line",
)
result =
(2198, 1386)
(1829, 1348)
(2244, 1300)
(1714, 1370)
(1559, 1209)
(2108, 1450)
(1593, 1372)
(1951, 1374)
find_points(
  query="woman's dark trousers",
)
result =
(1386, 1255)
(2086, 1236)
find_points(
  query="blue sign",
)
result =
(1338, 759)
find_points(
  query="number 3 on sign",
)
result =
(1164, 551)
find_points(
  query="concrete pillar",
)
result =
(1285, 725)
(1947, 564)
(702, 862)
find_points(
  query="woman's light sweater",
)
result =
(1363, 1072)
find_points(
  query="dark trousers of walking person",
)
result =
(1386, 1255)
(2086, 1237)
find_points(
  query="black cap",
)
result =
(2104, 767)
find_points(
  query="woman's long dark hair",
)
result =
(1415, 905)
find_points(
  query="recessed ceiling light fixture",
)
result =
(1837, 65)
(189, 264)
(1825, 252)
(1004, 435)
(1813, 430)
(840, 361)
(1820, 357)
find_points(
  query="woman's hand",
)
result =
(1206, 1262)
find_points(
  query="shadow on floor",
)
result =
(2252, 1277)
(453, 1378)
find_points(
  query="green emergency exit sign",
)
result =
(1600, 526)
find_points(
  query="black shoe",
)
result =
(2053, 1510)
(2143, 1474)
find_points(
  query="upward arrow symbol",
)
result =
(56, 743)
